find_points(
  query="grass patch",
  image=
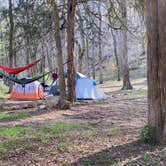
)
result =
(21, 137)
(147, 160)
(60, 128)
(134, 93)
(4, 148)
(5, 116)
(52, 130)
(23, 115)
(15, 131)
(54, 152)
(116, 131)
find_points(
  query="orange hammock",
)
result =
(18, 70)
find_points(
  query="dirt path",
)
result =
(111, 111)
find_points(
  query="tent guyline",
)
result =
(18, 70)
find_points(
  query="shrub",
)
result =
(148, 135)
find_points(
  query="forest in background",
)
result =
(99, 27)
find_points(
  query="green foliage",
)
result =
(148, 160)
(4, 148)
(14, 131)
(23, 115)
(60, 128)
(116, 131)
(5, 116)
(19, 136)
(3, 89)
(148, 135)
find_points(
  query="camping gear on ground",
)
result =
(17, 70)
(86, 88)
(54, 90)
(45, 86)
(31, 91)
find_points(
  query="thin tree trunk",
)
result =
(87, 57)
(116, 56)
(70, 49)
(59, 50)
(11, 40)
(100, 46)
(49, 62)
(80, 57)
(125, 64)
(93, 59)
(82, 45)
(156, 25)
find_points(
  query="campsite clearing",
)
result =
(96, 133)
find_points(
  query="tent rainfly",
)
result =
(86, 88)
(31, 91)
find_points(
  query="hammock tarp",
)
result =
(24, 81)
(17, 70)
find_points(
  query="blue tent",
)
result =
(86, 88)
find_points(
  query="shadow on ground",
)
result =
(126, 154)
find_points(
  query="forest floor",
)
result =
(92, 133)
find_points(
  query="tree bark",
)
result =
(71, 6)
(11, 40)
(116, 56)
(100, 46)
(59, 50)
(93, 58)
(80, 56)
(87, 56)
(156, 25)
(125, 64)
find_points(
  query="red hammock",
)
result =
(19, 69)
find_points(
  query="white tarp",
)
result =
(86, 89)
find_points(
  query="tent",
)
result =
(86, 88)
(31, 91)
(54, 90)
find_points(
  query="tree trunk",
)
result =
(80, 57)
(125, 64)
(156, 25)
(11, 40)
(116, 56)
(93, 59)
(59, 50)
(49, 62)
(87, 57)
(70, 49)
(100, 46)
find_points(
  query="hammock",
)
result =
(24, 81)
(17, 70)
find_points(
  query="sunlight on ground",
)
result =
(92, 133)
(113, 88)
